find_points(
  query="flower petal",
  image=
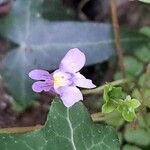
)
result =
(73, 61)
(39, 74)
(40, 86)
(70, 95)
(80, 81)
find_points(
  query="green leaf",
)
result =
(107, 89)
(130, 147)
(145, 30)
(143, 54)
(116, 93)
(144, 121)
(111, 96)
(128, 114)
(114, 100)
(146, 98)
(137, 136)
(136, 93)
(65, 129)
(114, 118)
(143, 95)
(132, 66)
(112, 93)
(108, 107)
(145, 1)
(129, 45)
(144, 81)
(56, 10)
(127, 108)
(134, 103)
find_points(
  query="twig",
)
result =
(97, 117)
(20, 129)
(100, 89)
(117, 36)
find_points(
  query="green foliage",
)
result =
(138, 71)
(115, 100)
(142, 92)
(56, 10)
(132, 66)
(114, 118)
(138, 133)
(143, 54)
(131, 147)
(127, 108)
(111, 96)
(65, 129)
(146, 31)
(137, 136)
(145, 1)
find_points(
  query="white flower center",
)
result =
(61, 79)
(58, 80)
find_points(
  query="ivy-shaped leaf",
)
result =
(65, 129)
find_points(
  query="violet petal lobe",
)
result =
(73, 61)
(39, 74)
(70, 95)
(40, 86)
(80, 81)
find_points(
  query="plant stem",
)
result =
(117, 36)
(96, 117)
(99, 89)
(20, 129)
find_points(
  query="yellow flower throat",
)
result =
(58, 80)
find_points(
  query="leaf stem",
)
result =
(99, 89)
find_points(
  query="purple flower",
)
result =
(65, 80)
